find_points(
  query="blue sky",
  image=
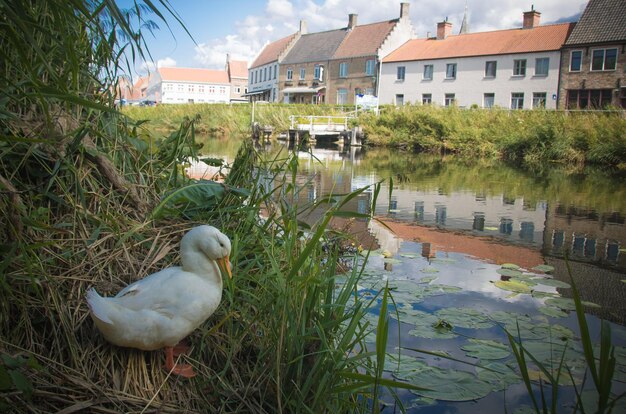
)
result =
(243, 27)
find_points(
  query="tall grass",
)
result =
(528, 137)
(87, 201)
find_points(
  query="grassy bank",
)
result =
(87, 201)
(528, 137)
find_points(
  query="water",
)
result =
(447, 228)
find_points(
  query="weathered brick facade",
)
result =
(356, 80)
(592, 80)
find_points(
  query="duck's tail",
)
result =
(98, 306)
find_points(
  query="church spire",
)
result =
(465, 23)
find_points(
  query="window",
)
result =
(449, 99)
(191, 88)
(319, 73)
(289, 74)
(275, 70)
(211, 89)
(489, 100)
(575, 60)
(490, 69)
(200, 88)
(342, 96)
(369, 91)
(539, 100)
(517, 100)
(519, 67)
(370, 67)
(604, 59)
(343, 70)
(180, 87)
(264, 74)
(427, 98)
(428, 72)
(541, 66)
(222, 90)
(238, 89)
(451, 71)
(399, 99)
(302, 73)
(588, 98)
(400, 73)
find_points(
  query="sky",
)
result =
(243, 27)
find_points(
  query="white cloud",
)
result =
(281, 18)
(168, 62)
(148, 67)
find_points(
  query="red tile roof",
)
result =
(238, 69)
(364, 40)
(194, 75)
(271, 51)
(538, 39)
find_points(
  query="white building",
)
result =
(517, 68)
(189, 85)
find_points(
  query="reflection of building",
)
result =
(585, 235)
(511, 218)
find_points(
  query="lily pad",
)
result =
(430, 269)
(427, 279)
(509, 272)
(486, 349)
(425, 324)
(543, 268)
(552, 282)
(410, 255)
(465, 318)
(491, 228)
(553, 312)
(567, 303)
(450, 385)
(401, 366)
(498, 374)
(512, 286)
(511, 266)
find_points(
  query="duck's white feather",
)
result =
(166, 306)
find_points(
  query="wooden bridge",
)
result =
(314, 127)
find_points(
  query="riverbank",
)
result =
(523, 137)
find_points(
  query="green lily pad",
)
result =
(427, 279)
(567, 303)
(401, 366)
(553, 312)
(552, 282)
(498, 374)
(410, 255)
(450, 385)
(509, 272)
(465, 318)
(540, 294)
(511, 266)
(512, 286)
(425, 324)
(430, 269)
(391, 261)
(442, 260)
(485, 349)
(543, 268)
(491, 228)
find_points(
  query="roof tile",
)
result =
(364, 40)
(538, 39)
(602, 21)
(238, 69)
(271, 51)
(194, 75)
(315, 47)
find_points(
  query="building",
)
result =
(593, 63)
(263, 73)
(237, 71)
(189, 85)
(335, 65)
(516, 68)
(355, 66)
(129, 93)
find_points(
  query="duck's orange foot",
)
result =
(184, 370)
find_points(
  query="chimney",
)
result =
(531, 18)
(444, 29)
(352, 20)
(303, 28)
(404, 10)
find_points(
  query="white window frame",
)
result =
(343, 70)
(451, 70)
(289, 74)
(519, 67)
(370, 67)
(516, 98)
(400, 73)
(399, 100)
(495, 69)
(342, 96)
(427, 98)
(493, 101)
(538, 65)
(428, 70)
(604, 50)
(302, 74)
(580, 63)
(449, 99)
(539, 98)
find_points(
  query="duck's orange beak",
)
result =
(224, 265)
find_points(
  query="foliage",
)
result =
(528, 137)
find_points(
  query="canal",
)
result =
(472, 249)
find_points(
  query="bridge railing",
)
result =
(310, 122)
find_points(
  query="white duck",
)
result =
(164, 307)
